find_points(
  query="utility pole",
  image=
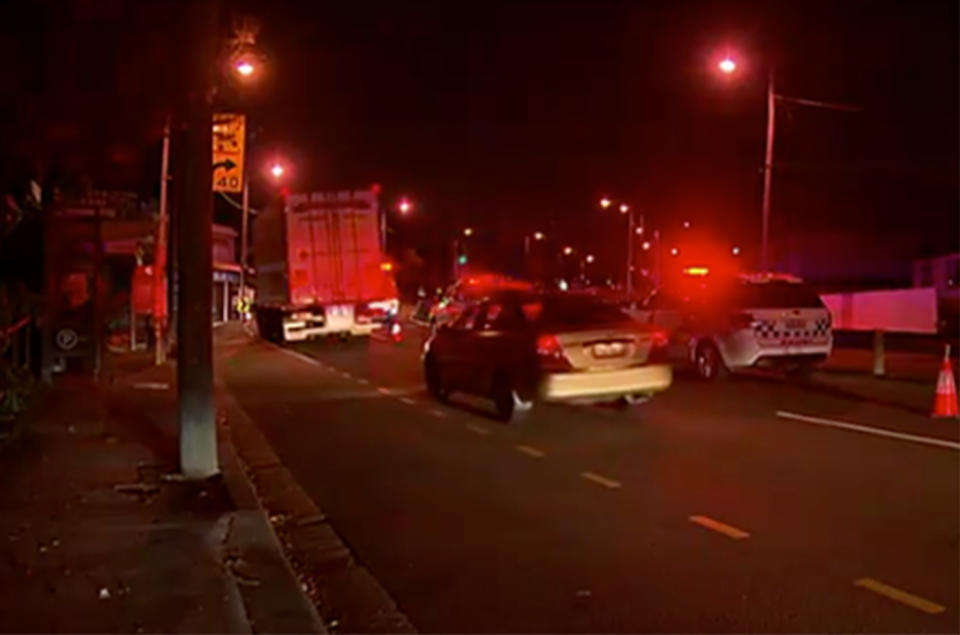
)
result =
(160, 276)
(198, 432)
(244, 227)
(768, 170)
(630, 230)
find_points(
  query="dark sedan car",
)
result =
(517, 348)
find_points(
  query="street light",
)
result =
(245, 68)
(735, 251)
(589, 259)
(674, 251)
(686, 224)
(277, 170)
(605, 202)
(468, 231)
(624, 208)
(567, 250)
(646, 245)
(538, 235)
(633, 228)
(404, 206)
(728, 66)
(639, 230)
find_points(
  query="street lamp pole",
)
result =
(244, 228)
(768, 170)
(630, 233)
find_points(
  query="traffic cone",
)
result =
(945, 402)
(396, 332)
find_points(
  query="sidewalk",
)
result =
(98, 538)
(909, 383)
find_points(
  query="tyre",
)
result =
(709, 363)
(434, 379)
(507, 402)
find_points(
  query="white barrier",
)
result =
(894, 310)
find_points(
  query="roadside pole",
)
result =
(198, 433)
(160, 276)
(629, 282)
(244, 227)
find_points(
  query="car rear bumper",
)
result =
(603, 385)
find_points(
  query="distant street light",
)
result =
(639, 230)
(589, 258)
(727, 65)
(605, 202)
(646, 245)
(567, 250)
(624, 208)
(468, 231)
(735, 251)
(404, 206)
(674, 251)
(538, 235)
(686, 224)
(277, 170)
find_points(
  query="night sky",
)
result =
(515, 116)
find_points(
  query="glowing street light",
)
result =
(567, 250)
(735, 251)
(624, 208)
(686, 224)
(538, 235)
(589, 259)
(646, 245)
(404, 206)
(277, 170)
(727, 65)
(639, 230)
(245, 68)
(674, 251)
(468, 231)
(605, 202)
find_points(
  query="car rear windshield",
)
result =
(577, 312)
(777, 295)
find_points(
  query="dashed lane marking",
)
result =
(300, 356)
(408, 401)
(477, 429)
(383, 391)
(361, 380)
(151, 385)
(898, 595)
(601, 480)
(346, 375)
(530, 451)
(436, 412)
(941, 443)
(721, 528)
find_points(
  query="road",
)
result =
(702, 510)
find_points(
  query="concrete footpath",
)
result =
(98, 537)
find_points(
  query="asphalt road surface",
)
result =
(745, 505)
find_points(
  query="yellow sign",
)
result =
(229, 136)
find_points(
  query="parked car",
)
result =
(518, 347)
(744, 321)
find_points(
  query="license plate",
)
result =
(796, 324)
(609, 349)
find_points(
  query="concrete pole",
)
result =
(198, 431)
(879, 365)
(244, 228)
(768, 173)
(630, 230)
(160, 276)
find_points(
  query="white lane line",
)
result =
(361, 380)
(601, 480)
(478, 429)
(383, 391)
(940, 443)
(530, 451)
(436, 412)
(151, 385)
(408, 401)
(346, 375)
(300, 356)
(719, 527)
(898, 595)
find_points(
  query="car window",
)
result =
(776, 295)
(466, 320)
(501, 316)
(578, 311)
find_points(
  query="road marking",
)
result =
(151, 385)
(941, 443)
(408, 401)
(911, 600)
(346, 375)
(361, 380)
(300, 356)
(530, 451)
(478, 429)
(383, 391)
(601, 480)
(719, 527)
(436, 412)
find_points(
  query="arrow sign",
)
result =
(229, 137)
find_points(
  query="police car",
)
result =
(742, 321)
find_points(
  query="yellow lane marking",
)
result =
(911, 600)
(719, 527)
(530, 451)
(477, 429)
(436, 412)
(408, 401)
(601, 480)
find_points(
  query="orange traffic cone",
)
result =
(945, 402)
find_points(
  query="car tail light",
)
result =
(741, 320)
(551, 353)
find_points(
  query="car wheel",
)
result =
(509, 405)
(710, 364)
(434, 378)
